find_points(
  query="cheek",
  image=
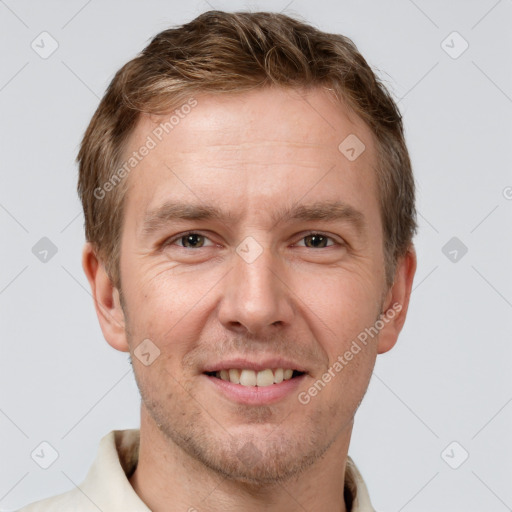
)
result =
(338, 312)
(159, 292)
(167, 306)
(340, 305)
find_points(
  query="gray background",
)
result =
(448, 379)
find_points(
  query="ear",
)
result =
(106, 300)
(397, 301)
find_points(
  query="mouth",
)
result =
(255, 378)
(250, 383)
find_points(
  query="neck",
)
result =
(166, 475)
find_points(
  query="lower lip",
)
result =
(254, 395)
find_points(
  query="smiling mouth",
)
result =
(252, 378)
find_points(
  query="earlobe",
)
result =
(106, 300)
(397, 301)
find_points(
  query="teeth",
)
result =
(234, 376)
(248, 378)
(263, 378)
(278, 376)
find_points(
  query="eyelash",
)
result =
(170, 241)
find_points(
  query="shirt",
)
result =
(107, 488)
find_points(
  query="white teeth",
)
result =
(247, 377)
(278, 376)
(234, 376)
(265, 378)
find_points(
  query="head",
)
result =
(249, 200)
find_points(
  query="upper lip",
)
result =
(242, 363)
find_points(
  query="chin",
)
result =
(255, 454)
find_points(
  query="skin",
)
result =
(250, 155)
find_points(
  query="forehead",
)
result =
(260, 146)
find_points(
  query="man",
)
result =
(249, 211)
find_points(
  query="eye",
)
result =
(318, 241)
(190, 240)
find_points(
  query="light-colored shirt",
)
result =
(107, 488)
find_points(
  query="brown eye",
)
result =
(190, 241)
(316, 240)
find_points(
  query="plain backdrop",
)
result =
(442, 394)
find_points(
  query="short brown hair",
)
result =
(220, 52)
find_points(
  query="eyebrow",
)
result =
(327, 211)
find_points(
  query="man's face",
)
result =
(277, 281)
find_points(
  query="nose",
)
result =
(256, 296)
